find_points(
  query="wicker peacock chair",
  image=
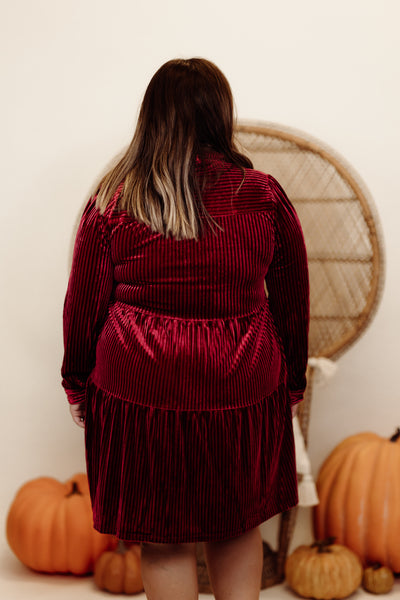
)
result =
(345, 261)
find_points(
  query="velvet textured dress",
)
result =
(187, 366)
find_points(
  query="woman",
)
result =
(183, 372)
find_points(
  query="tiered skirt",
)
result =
(179, 476)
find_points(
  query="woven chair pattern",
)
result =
(340, 230)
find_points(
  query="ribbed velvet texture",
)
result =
(187, 368)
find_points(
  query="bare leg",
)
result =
(169, 571)
(235, 566)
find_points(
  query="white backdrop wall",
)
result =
(73, 74)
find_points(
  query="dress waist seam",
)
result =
(244, 406)
(164, 315)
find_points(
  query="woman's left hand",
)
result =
(78, 413)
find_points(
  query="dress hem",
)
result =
(195, 538)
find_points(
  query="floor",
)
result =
(19, 583)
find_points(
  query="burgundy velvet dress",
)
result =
(187, 368)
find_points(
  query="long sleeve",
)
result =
(88, 295)
(288, 291)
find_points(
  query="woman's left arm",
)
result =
(288, 291)
(87, 299)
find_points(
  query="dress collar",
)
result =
(210, 158)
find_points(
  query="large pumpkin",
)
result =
(359, 498)
(49, 526)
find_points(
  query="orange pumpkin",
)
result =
(49, 526)
(359, 498)
(119, 571)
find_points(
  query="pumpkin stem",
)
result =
(376, 565)
(75, 490)
(396, 435)
(322, 545)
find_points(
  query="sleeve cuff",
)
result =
(76, 396)
(295, 397)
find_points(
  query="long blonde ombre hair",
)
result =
(187, 109)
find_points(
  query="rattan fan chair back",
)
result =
(345, 262)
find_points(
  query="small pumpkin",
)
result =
(119, 572)
(359, 498)
(50, 527)
(323, 570)
(378, 579)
